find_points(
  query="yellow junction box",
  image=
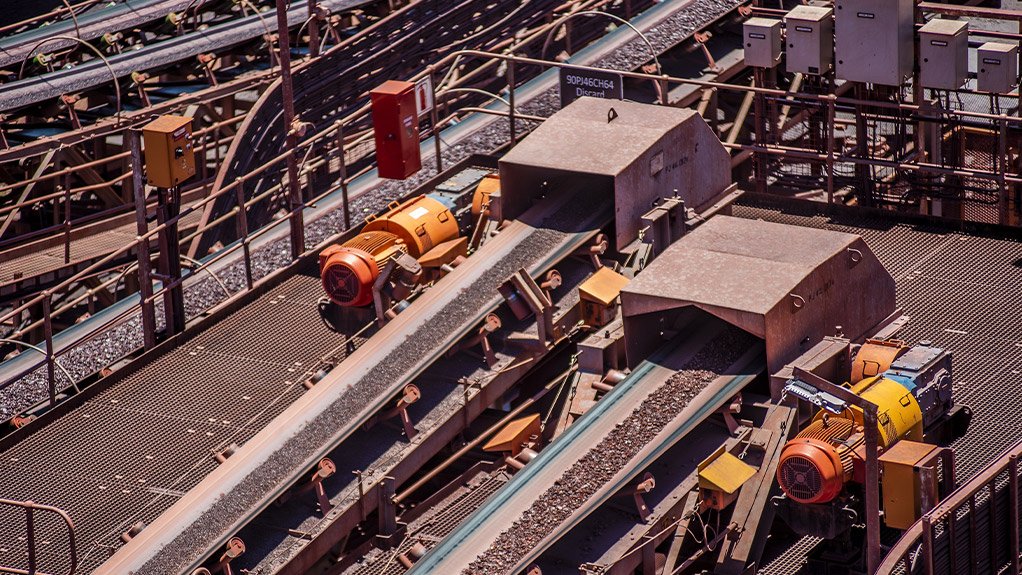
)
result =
(721, 475)
(599, 296)
(169, 157)
(900, 466)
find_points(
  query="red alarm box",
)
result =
(396, 126)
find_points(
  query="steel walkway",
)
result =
(27, 268)
(132, 450)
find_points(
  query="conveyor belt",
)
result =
(517, 531)
(440, 416)
(90, 25)
(94, 73)
(357, 388)
(962, 292)
(131, 451)
(436, 524)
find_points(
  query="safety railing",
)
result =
(211, 138)
(330, 143)
(147, 301)
(976, 529)
(31, 537)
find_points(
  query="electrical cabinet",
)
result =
(874, 40)
(902, 484)
(997, 67)
(599, 296)
(810, 37)
(762, 42)
(396, 129)
(169, 156)
(944, 54)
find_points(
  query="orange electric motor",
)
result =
(815, 465)
(421, 222)
(488, 186)
(349, 270)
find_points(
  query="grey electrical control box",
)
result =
(762, 42)
(944, 54)
(810, 38)
(874, 40)
(997, 67)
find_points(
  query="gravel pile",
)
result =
(601, 463)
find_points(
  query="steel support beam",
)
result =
(144, 266)
(753, 513)
(872, 439)
(295, 201)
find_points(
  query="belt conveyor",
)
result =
(512, 532)
(95, 72)
(349, 395)
(455, 392)
(91, 24)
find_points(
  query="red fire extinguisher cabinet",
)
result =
(396, 127)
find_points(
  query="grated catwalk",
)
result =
(131, 451)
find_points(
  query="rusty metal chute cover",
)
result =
(638, 152)
(788, 285)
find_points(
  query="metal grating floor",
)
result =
(127, 454)
(962, 292)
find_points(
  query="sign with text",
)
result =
(596, 83)
(423, 96)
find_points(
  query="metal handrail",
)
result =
(30, 508)
(68, 226)
(920, 533)
(109, 160)
(362, 113)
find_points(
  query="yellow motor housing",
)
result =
(898, 413)
(816, 463)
